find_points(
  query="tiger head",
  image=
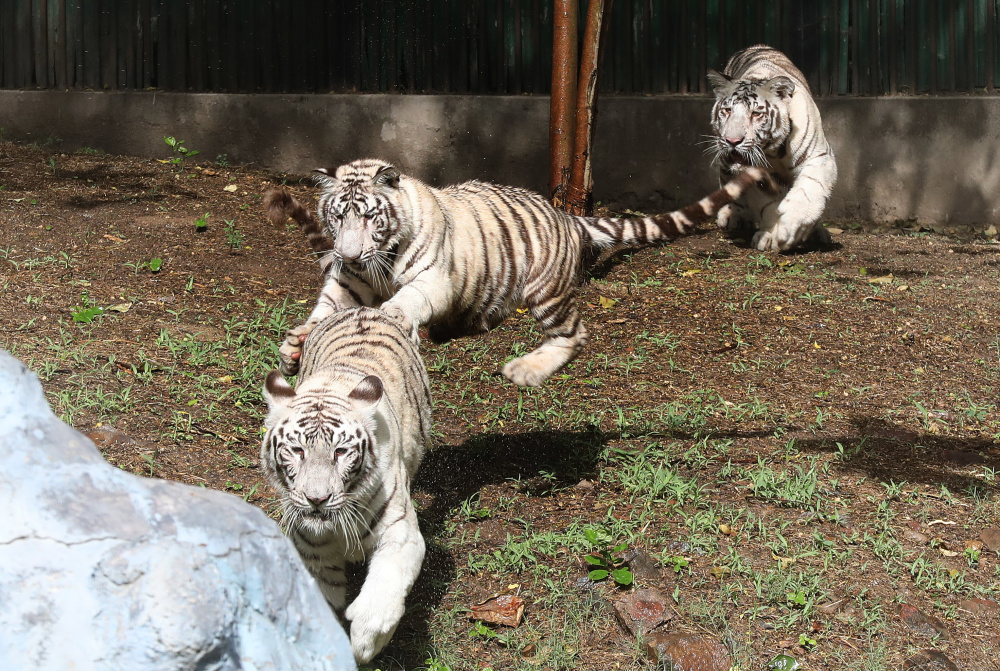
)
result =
(319, 450)
(357, 209)
(750, 118)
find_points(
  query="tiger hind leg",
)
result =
(565, 337)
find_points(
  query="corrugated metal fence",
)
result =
(847, 47)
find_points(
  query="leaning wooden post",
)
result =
(579, 197)
(564, 94)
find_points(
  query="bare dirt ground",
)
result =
(804, 447)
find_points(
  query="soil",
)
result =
(873, 364)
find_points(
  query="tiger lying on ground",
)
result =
(462, 258)
(765, 116)
(341, 449)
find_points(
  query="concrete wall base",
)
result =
(930, 160)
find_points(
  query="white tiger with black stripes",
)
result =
(765, 116)
(341, 449)
(461, 259)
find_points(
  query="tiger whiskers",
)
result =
(350, 525)
(291, 516)
(381, 269)
(755, 156)
(713, 147)
(330, 261)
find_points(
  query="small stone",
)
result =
(831, 607)
(644, 568)
(642, 611)
(834, 231)
(847, 614)
(991, 539)
(921, 623)
(929, 660)
(584, 485)
(505, 609)
(974, 545)
(108, 436)
(990, 232)
(688, 652)
(915, 536)
(980, 607)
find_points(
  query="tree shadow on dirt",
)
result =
(454, 473)
(597, 266)
(887, 452)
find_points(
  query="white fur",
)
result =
(325, 413)
(798, 154)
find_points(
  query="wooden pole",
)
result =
(579, 198)
(564, 94)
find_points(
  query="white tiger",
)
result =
(764, 116)
(461, 259)
(341, 449)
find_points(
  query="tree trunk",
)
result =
(564, 94)
(579, 195)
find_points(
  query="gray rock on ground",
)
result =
(100, 569)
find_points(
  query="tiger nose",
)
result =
(317, 501)
(734, 141)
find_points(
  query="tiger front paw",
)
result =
(784, 238)
(290, 350)
(372, 626)
(408, 325)
(725, 219)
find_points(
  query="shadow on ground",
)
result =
(888, 452)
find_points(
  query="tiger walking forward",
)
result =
(765, 116)
(462, 258)
(341, 449)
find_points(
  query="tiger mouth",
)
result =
(737, 158)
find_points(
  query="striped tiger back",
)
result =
(462, 258)
(341, 448)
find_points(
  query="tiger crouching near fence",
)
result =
(461, 259)
(764, 116)
(341, 449)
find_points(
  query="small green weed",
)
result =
(480, 630)
(233, 236)
(604, 561)
(181, 153)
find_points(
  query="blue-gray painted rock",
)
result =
(100, 569)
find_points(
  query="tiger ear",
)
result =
(277, 391)
(324, 177)
(367, 394)
(387, 176)
(719, 82)
(781, 86)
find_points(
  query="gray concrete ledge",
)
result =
(931, 160)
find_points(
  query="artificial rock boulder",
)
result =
(100, 569)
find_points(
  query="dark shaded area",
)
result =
(888, 452)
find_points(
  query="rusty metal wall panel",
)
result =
(844, 47)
